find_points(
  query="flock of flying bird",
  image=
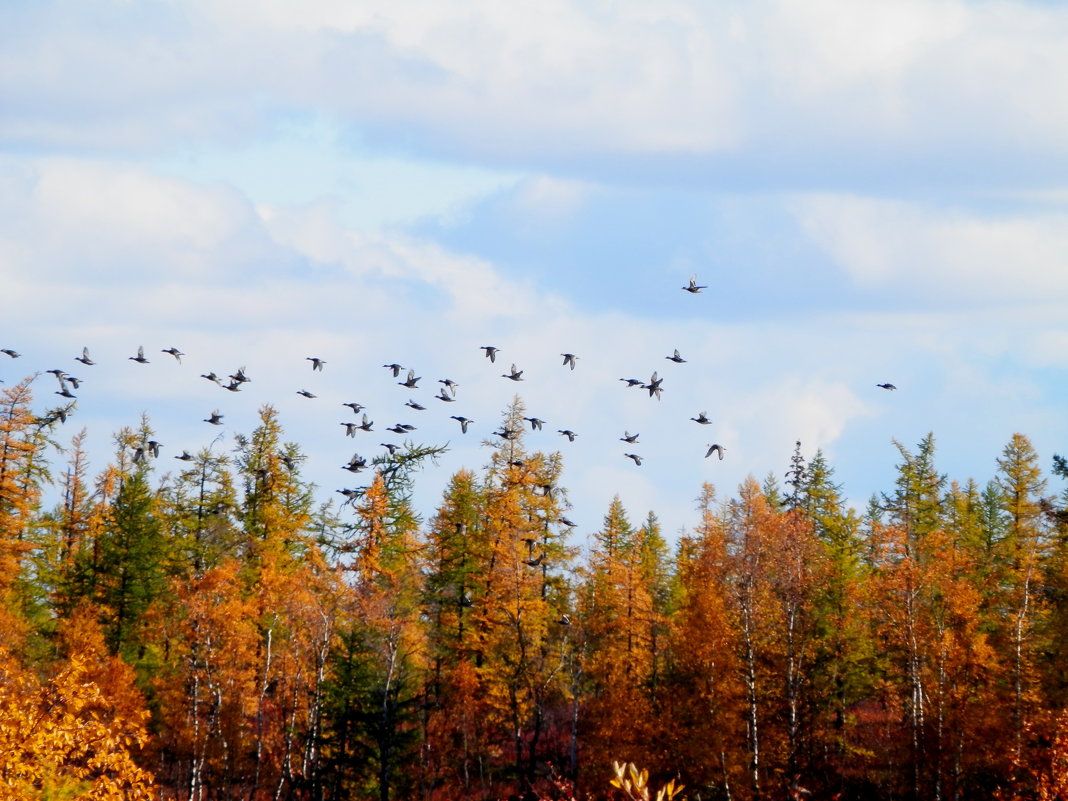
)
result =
(447, 394)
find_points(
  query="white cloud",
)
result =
(940, 256)
(553, 81)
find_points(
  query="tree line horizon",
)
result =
(219, 632)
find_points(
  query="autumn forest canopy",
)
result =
(218, 630)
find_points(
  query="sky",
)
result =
(871, 191)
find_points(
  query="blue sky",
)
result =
(872, 192)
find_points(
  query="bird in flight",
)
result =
(633, 382)
(365, 424)
(140, 357)
(701, 418)
(396, 368)
(84, 358)
(567, 432)
(515, 375)
(317, 363)
(637, 459)
(215, 419)
(449, 385)
(654, 386)
(356, 407)
(693, 288)
(410, 381)
(444, 395)
(350, 429)
(177, 354)
(463, 421)
(356, 464)
(185, 457)
(306, 394)
(491, 352)
(675, 357)
(417, 406)
(569, 360)
(886, 386)
(212, 377)
(12, 353)
(239, 377)
(717, 449)
(628, 437)
(535, 423)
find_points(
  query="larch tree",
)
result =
(615, 619)
(521, 644)
(1019, 478)
(703, 699)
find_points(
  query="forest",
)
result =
(217, 630)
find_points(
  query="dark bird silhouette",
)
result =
(567, 432)
(215, 419)
(365, 424)
(886, 386)
(233, 386)
(356, 464)
(515, 375)
(389, 446)
(239, 376)
(177, 354)
(718, 449)
(356, 407)
(569, 360)
(397, 429)
(350, 429)
(212, 377)
(84, 358)
(186, 456)
(12, 353)
(507, 433)
(463, 421)
(74, 382)
(633, 382)
(449, 385)
(567, 522)
(565, 620)
(536, 561)
(351, 494)
(396, 368)
(140, 357)
(693, 288)
(138, 453)
(637, 459)
(154, 447)
(317, 363)
(701, 418)
(306, 394)
(654, 386)
(443, 395)
(628, 437)
(410, 381)
(535, 423)
(60, 413)
(675, 357)
(491, 352)
(418, 407)
(64, 390)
